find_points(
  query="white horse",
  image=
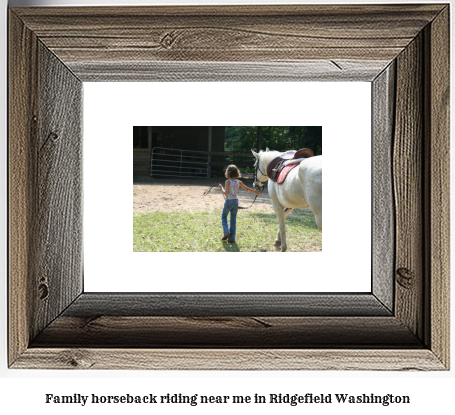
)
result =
(302, 189)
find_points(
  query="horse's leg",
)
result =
(279, 211)
(310, 177)
(319, 221)
(281, 215)
(315, 202)
(284, 245)
(287, 211)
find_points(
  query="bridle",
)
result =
(259, 187)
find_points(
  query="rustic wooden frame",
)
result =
(403, 324)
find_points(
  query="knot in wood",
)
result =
(168, 40)
(405, 278)
(43, 291)
(76, 359)
(53, 136)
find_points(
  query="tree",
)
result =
(259, 137)
(243, 139)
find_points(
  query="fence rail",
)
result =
(171, 162)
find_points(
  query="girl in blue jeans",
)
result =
(231, 204)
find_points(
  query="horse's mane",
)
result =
(270, 151)
(268, 156)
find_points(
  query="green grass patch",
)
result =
(202, 232)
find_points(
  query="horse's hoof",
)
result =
(283, 249)
(277, 243)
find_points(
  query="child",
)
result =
(231, 203)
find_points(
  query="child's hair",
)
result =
(232, 172)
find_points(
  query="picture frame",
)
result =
(402, 324)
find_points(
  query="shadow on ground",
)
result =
(298, 218)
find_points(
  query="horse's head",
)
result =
(260, 172)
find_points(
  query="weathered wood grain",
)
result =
(58, 205)
(231, 304)
(308, 71)
(45, 187)
(437, 167)
(382, 201)
(228, 34)
(257, 332)
(229, 359)
(22, 177)
(408, 190)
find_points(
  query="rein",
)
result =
(240, 207)
(255, 180)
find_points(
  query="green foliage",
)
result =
(243, 139)
(202, 231)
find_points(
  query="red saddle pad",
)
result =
(285, 171)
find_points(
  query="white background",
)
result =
(111, 109)
(23, 391)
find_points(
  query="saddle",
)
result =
(278, 168)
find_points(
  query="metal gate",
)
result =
(171, 162)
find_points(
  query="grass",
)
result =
(202, 231)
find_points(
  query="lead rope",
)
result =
(240, 207)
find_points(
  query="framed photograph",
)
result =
(401, 323)
(177, 207)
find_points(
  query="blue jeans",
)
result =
(232, 206)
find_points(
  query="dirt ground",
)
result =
(151, 195)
